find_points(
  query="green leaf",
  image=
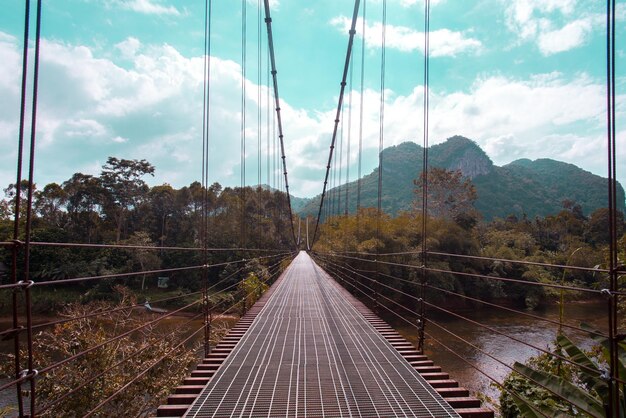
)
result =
(604, 343)
(526, 407)
(590, 373)
(567, 390)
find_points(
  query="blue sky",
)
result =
(123, 78)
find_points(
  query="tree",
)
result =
(145, 258)
(597, 232)
(11, 192)
(450, 195)
(84, 202)
(49, 203)
(162, 201)
(134, 354)
(123, 183)
(541, 386)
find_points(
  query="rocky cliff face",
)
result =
(460, 153)
(471, 164)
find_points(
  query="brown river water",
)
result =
(489, 343)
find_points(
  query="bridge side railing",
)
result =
(397, 285)
(198, 312)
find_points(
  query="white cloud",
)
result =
(546, 116)
(91, 108)
(147, 7)
(84, 128)
(443, 42)
(554, 25)
(129, 47)
(568, 37)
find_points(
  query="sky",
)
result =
(124, 78)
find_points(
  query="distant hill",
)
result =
(534, 188)
(297, 203)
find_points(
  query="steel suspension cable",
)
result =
(361, 113)
(112, 367)
(613, 306)
(494, 380)
(477, 275)
(205, 164)
(461, 317)
(348, 151)
(259, 107)
(340, 159)
(158, 361)
(205, 119)
(268, 108)
(31, 372)
(134, 273)
(243, 120)
(483, 258)
(381, 121)
(352, 32)
(490, 304)
(426, 105)
(18, 198)
(270, 40)
(259, 190)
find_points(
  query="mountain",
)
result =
(297, 203)
(534, 188)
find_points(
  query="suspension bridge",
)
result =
(314, 343)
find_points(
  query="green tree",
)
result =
(143, 259)
(125, 188)
(135, 354)
(50, 202)
(11, 192)
(84, 203)
(162, 201)
(450, 195)
(597, 232)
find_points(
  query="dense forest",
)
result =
(567, 238)
(118, 207)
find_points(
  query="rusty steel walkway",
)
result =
(311, 353)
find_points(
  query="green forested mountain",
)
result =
(533, 188)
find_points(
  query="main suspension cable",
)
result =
(352, 32)
(270, 41)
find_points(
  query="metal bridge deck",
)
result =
(310, 353)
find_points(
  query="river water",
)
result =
(489, 343)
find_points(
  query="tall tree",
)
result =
(84, 203)
(450, 195)
(49, 203)
(162, 200)
(125, 188)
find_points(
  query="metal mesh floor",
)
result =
(310, 353)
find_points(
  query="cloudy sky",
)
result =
(123, 78)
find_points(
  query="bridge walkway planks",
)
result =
(310, 352)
